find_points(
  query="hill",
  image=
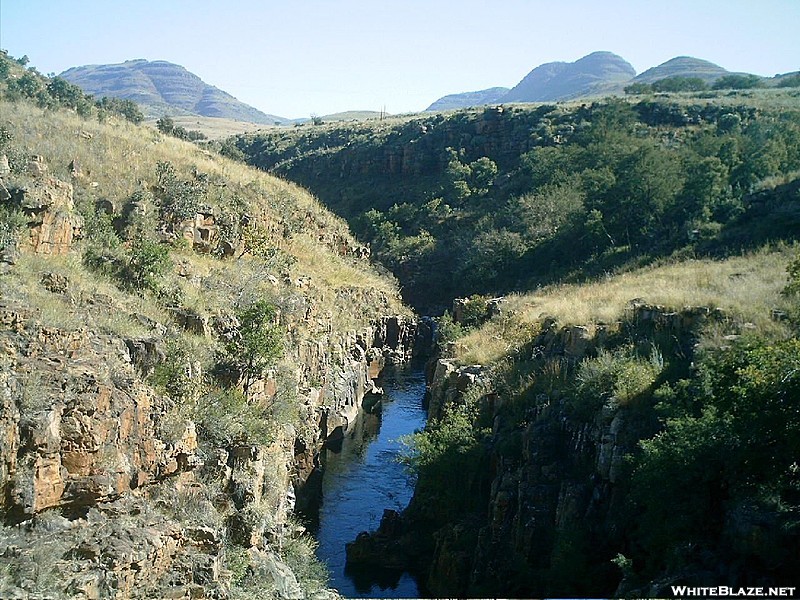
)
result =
(168, 322)
(590, 75)
(161, 87)
(354, 115)
(467, 99)
(213, 128)
(683, 66)
(466, 190)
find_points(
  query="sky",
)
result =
(297, 58)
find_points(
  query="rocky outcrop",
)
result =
(85, 427)
(47, 203)
(82, 434)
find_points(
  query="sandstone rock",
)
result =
(53, 222)
(201, 231)
(88, 435)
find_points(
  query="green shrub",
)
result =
(175, 373)
(447, 332)
(613, 379)
(226, 418)
(298, 552)
(12, 225)
(449, 455)
(258, 343)
(148, 264)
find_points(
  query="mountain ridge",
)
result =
(562, 80)
(596, 74)
(162, 87)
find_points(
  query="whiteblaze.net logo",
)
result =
(724, 591)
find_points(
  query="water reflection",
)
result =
(362, 478)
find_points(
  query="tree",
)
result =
(28, 85)
(149, 262)
(165, 125)
(127, 108)
(737, 82)
(64, 92)
(258, 343)
(680, 84)
(637, 89)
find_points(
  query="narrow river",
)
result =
(365, 477)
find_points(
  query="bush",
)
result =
(12, 225)
(257, 344)
(613, 379)
(449, 455)
(175, 374)
(226, 418)
(147, 265)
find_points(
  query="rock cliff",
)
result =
(110, 484)
(548, 495)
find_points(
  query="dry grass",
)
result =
(213, 128)
(117, 158)
(746, 287)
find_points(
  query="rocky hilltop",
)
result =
(683, 66)
(590, 75)
(162, 87)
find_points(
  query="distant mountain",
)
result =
(161, 87)
(683, 66)
(466, 99)
(591, 75)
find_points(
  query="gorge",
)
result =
(191, 352)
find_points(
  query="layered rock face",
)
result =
(82, 433)
(48, 205)
(80, 427)
(106, 488)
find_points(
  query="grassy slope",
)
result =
(321, 296)
(746, 287)
(213, 128)
(118, 159)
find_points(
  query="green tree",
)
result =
(637, 89)
(127, 108)
(149, 262)
(27, 85)
(165, 125)
(680, 84)
(738, 82)
(259, 342)
(65, 93)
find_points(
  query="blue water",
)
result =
(364, 478)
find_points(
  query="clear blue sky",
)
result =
(297, 57)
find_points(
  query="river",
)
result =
(364, 477)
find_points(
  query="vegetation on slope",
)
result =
(699, 405)
(487, 201)
(223, 312)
